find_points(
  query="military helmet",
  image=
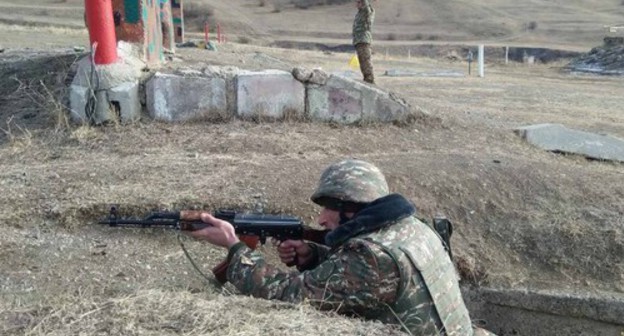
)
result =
(352, 181)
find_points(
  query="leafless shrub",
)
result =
(531, 25)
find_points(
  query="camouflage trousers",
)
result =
(364, 53)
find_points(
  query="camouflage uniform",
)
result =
(382, 264)
(363, 38)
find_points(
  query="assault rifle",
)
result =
(251, 228)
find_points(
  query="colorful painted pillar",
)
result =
(166, 21)
(140, 22)
(178, 20)
(101, 30)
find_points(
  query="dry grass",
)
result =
(158, 312)
(78, 32)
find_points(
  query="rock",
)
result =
(315, 76)
(607, 60)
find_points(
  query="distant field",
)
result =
(563, 24)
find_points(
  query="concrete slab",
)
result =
(414, 73)
(118, 80)
(557, 138)
(387, 108)
(229, 74)
(125, 97)
(78, 97)
(176, 98)
(270, 94)
(348, 74)
(347, 101)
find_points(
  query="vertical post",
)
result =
(102, 30)
(178, 20)
(481, 60)
(218, 33)
(409, 53)
(506, 54)
(206, 33)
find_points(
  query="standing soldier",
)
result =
(380, 262)
(363, 38)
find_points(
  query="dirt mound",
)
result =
(604, 60)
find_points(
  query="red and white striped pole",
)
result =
(102, 30)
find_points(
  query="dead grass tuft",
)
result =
(19, 137)
(85, 134)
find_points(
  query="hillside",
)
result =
(564, 24)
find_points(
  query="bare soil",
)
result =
(523, 218)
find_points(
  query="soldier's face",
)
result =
(330, 219)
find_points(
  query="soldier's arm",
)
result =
(319, 255)
(352, 279)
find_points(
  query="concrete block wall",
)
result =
(175, 97)
(223, 93)
(270, 94)
(107, 93)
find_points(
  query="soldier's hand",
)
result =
(294, 252)
(219, 232)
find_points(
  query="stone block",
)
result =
(175, 98)
(271, 94)
(78, 97)
(126, 97)
(387, 108)
(347, 101)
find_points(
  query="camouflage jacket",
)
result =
(363, 24)
(371, 270)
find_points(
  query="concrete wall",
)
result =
(548, 313)
(224, 93)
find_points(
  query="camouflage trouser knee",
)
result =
(366, 64)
